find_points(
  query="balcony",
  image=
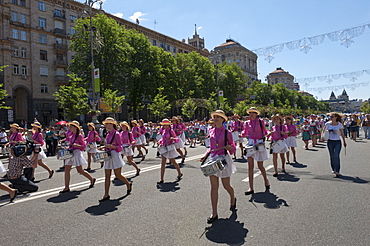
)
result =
(61, 47)
(59, 31)
(61, 63)
(59, 16)
(61, 80)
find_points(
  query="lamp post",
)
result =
(91, 29)
(215, 60)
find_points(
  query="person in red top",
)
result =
(168, 139)
(113, 144)
(76, 144)
(236, 129)
(92, 147)
(142, 137)
(127, 142)
(136, 132)
(15, 136)
(178, 129)
(38, 138)
(291, 141)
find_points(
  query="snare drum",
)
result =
(89, 146)
(102, 156)
(278, 146)
(250, 150)
(261, 147)
(207, 142)
(162, 150)
(65, 154)
(213, 165)
(235, 136)
(170, 147)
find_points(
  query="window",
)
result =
(44, 71)
(59, 57)
(174, 49)
(22, 18)
(168, 47)
(42, 22)
(15, 69)
(24, 70)
(15, 2)
(44, 88)
(60, 72)
(23, 52)
(58, 40)
(58, 24)
(229, 61)
(22, 3)
(42, 38)
(15, 33)
(161, 45)
(58, 13)
(42, 6)
(72, 18)
(43, 55)
(72, 30)
(14, 16)
(15, 51)
(154, 42)
(23, 36)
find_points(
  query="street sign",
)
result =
(96, 80)
(220, 93)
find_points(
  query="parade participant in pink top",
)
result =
(278, 133)
(219, 147)
(168, 138)
(114, 145)
(183, 127)
(137, 135)
(76, 144)
(92, 147)
(236, 129)
(142, 129)
(38, 138)
(256, 131)
(291, 141)
(15, 137)
(177, 128)
(128, 141)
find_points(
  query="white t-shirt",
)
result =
(334, 131)
(4, 140)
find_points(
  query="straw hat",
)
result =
(134, 122)
(141, 121)
(75, 124)
(174, 118)
(91, 124)
(289, 118)
(15, 125)
(165, 122)
(124, 123)
(110, 120)
(236, 116)
(37, 124)
(277, 116)
(253, 109)
(219, 113)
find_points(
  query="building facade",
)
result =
(232, 51)
(342, 103)
(283, 77)
(34, 40)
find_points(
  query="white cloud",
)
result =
(119, 15)
(138, 15)
(97, 4)
(198, 28)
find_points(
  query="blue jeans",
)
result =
(334, 147)
(366, 131)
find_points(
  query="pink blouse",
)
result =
(166, 135)
(92, 136)
(237, 126)
(127, 138)
(178, 129)
(136, 132)
(116, 141)
(252, 129)
(79, 139)
(276, 132)
(16, 137)
(292, 129)
(142, 130)
(37, 137)
(68, 135)
(217, 140)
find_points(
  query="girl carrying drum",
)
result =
(219, 147)
(127, 142)
(92, 138)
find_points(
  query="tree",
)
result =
(3, 93)
(113, 101)
(365, 108)
(189, 108)
(160, 105)
(211, 103)
(73, 99)
(240, 108)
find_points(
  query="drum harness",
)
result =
(272, 142)
(263, 138)
(206, 157)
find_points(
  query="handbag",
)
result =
(326, 135)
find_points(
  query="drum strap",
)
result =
(225, 141)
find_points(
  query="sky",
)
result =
(263, 23)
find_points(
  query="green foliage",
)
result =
(160, 105)
(113, 101)
(188, 109)
(240, 108)
(225, 106)
(365, 108)
(211, 103)
(73, 99)
(3, 92)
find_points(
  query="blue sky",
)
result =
(263, 23)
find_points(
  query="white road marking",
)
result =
(258, 173)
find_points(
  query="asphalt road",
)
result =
(306, 206)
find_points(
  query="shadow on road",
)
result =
(287, 177)
(269, 199)
(168, 186)
(105, 207)
(65, 197)
(297, 165)
(343, 177)
(228, 231)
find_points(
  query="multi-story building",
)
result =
(34, 40)
(232, 51)
(283, 77)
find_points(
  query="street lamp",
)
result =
(215, 60)
(91, 29)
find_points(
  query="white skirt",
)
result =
(179, 144)
(127, 151)
(93, 149)
(115, 162)
(236, 138)
(138, 141)
(182, 136)
(284, 150)
(291, 141)
(41, 155)
(171, 154)
(143, 139)
(77, 160)
(229, 169)
(259, 155)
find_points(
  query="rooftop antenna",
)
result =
(196, 29)
(155, 24)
